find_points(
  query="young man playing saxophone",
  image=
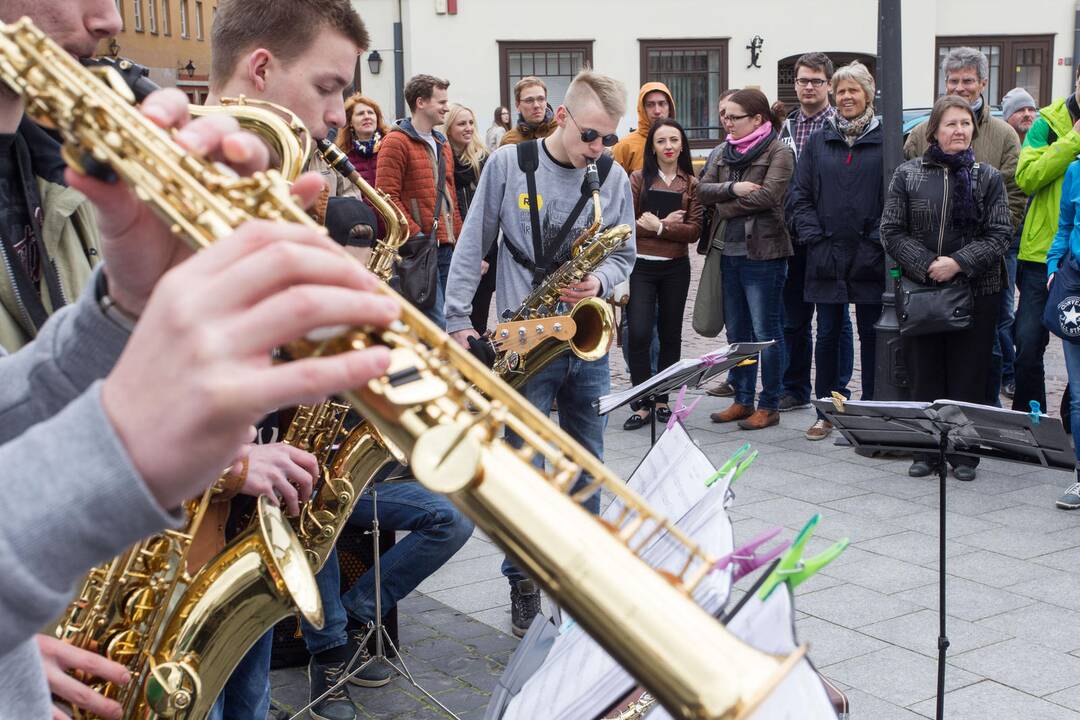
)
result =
(301, 56)
(586, 122)
(120, 472)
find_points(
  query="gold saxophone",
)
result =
(447, 413)
(535, 334)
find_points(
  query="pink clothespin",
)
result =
(746, 560)
(681, 411)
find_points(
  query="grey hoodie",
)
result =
(501, 203)
(71, 497)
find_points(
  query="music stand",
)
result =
(950, 428)
(376, 629)
(688, 372)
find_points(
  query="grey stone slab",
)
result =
(843, 471)
(1042, 494)
(1031, 668)
(900, 486)
(1060, 588)
(835, 525)
(966, 600)
(816, 490)
(966, 502)
(1040, 623)
(995, 570)
(1039, 519)
(913, 547)
(1069, 698)
(1009, 480)
(865, 705)
(876, 505)
(482, 595)
(1066, 560)
(883, 574)
(790, 459)
(464, 572)
(918, 632)
(988, 699)
(852, 606)
(496, 617)
(956, 525)
(831, 643)
(782, 511)
(896, 675)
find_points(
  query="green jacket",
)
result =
(69, 231)
(1040, 174)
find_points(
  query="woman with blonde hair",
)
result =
(360, 137)
(470, 154)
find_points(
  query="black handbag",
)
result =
(1061, 314)
(934, 308)
(418, 270)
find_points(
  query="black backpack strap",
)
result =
(440, 187)
(528, 155)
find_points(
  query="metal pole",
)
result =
(890, 377)
(399, 70)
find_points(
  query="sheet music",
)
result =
(769, 627)
(579, 679)
(607, 403)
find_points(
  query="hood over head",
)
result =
(644, 122)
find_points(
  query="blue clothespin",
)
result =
(1036, 411)
(793, 569)
(735, 466)
(746, 560)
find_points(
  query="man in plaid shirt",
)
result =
(812, 74)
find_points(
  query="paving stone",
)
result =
(965, 599)
(790, 459)
(852, 606)
(901, 486)
(918, 632)
(1026, 517)
(481, 595)
(896, 675)
(865, 705)
(966, 502)
(831, 643)
(1034, 669)
(843, 471)
(876, 505)
(989, 699)
(1042, 494)
(463, 572)
(996, 570)
(1060, 588)
(1040, 623)
(1069, 698)
(883, 574)
(956, 525)
(913, 547)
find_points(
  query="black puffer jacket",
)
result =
(912, 226)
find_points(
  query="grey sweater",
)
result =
(71, 497)
(501, 203)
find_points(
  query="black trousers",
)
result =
(658, 290)
(481, 302)
(954, 366)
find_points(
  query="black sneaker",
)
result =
(524, 606)
(1009, 390)
(790, 402)
(376, 674)
(335, 706)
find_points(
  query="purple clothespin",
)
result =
(713, 358)
(681, 411)
(746, 560)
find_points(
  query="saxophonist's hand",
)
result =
(197, 371)
(61, 658)
(283, 473)
(138, 247)
(587, 287)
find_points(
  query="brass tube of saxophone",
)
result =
(447, 412)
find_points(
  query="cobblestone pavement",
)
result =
(870, 617)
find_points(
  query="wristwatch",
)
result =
(109, 308)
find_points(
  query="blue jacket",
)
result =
(836, 200)
(1068, 233)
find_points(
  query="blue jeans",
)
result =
(753, 313)
(798, 341)
(1031, 336)
(1004, 353)
(576, 384)
(247, 693)
(437, 530)
(436, 313)
(1072, 365)
(829, 353)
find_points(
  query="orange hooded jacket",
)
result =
(630, 151)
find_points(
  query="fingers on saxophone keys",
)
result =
(307, 188)
(295, 312)
(81, 696)
(167, 108)
(312, 379)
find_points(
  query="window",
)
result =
(165, 29)
(696, 73)
(137, 15)
(151, 15)
(1015, 61)
(555, 62)
(198, 20)
(184, 19)
(120, 10)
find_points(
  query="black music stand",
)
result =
(950, 428)
(688, 372)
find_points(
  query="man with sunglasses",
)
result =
(535, 243)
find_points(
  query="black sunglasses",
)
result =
(588, 135)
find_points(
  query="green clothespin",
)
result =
(734, 467)
(793, 569)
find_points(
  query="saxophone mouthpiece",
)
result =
(335, 157)
(592, 176)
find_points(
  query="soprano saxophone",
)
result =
(588, 329)
(446, 412)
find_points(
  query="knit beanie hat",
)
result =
(1016, 99)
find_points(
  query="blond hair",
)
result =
(857, 73)
(475, 151)
(527, 81)
(609, 92)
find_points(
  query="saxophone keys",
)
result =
(446, 458)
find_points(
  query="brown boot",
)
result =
(760, 419)
(734, 412)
